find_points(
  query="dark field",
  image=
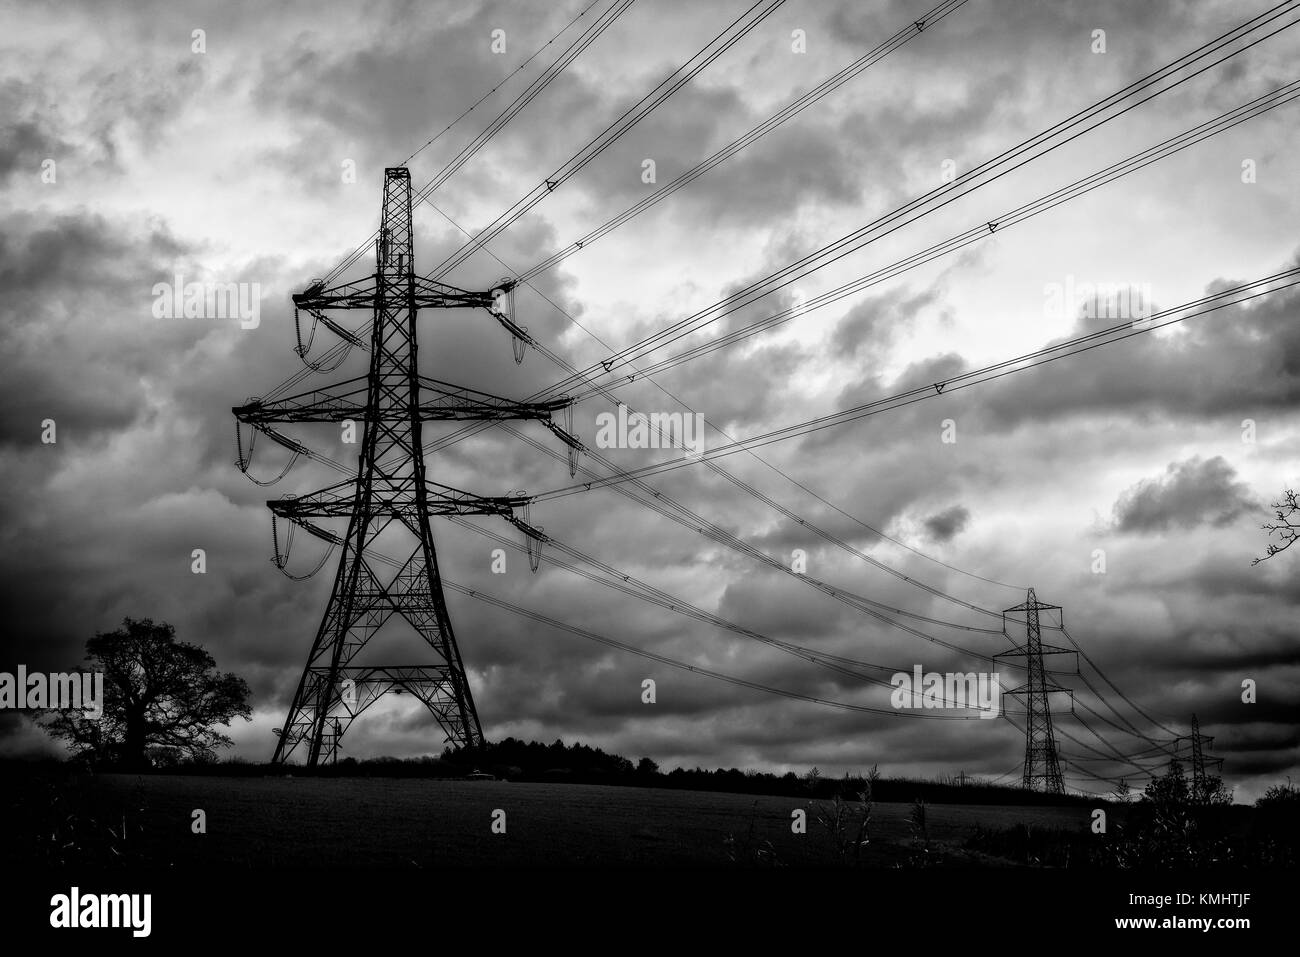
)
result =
(349, 822)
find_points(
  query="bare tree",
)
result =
(1287, 526)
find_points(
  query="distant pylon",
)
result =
(1198, 764)
(1200, 783)
(1042, 764)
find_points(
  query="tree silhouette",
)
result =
(1280, 795)
(1286, 527)
(1171, 789)
(160, 695)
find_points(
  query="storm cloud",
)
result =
(1188, 494)
(944, 526)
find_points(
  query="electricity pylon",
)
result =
(1198, 764)
(1042, 765)
(391, 496)
(1200, 783)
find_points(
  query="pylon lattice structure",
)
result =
(391, 496)
(1198, 764)
(1042, 763)
(1200, 783)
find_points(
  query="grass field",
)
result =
(298, 821)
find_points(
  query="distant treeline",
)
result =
(515, 760)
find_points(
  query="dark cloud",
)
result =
(946, 525)
(29, 138)
(874, 322)
(61, 274)
(1189, 494)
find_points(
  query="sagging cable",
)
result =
(297, 448)
(534, 535)
(303, 348)
(281, 560)
(505, 289)
(566, 435)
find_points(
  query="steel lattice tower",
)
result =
(1042, 765)
(391, 495)
(1200, 783)
(1198, 764)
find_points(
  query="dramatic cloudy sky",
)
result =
(227, 165)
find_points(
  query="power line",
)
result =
(832, 83)
(509, 76)
(722, 42)
(965, 380)
(644, 653)
(830, 537)
(338, 353)
(788, 112)
(559, 361)
(949, 193)
(602, 23)
(1112, 684)
(638, 589)
(983, 231)
(1175, 65)
(1147, 81)
(695, 669)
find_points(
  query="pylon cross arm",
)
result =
(438, 408)
(1050, 687)
(1021, 650)
(448, 399)
(364, 293)
(356, 688)
(439, 401)
(332, 403)
(339, 501)
(1033, 606)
